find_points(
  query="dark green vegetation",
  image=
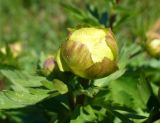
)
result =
(33, 30)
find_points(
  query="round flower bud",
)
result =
(16, 49)
(89, 53)
(3, 50)
(49, 65)
(153, 47)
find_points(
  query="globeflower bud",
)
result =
(89, 53)
(16, 49)
(153, 47)
(49, 65)
(153, 40)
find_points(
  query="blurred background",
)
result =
(42, 25)
(34, 29)
(39, 26)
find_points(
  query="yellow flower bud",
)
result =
(16, 48)
(153, 47)
(153, 40)
(89, 53)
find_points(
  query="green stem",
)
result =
(72, 100)
(80, 99)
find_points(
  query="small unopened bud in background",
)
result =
(3, 50)
(153, 40)
(49, 65)
(89, 53)
(154, 47)
(16, 48)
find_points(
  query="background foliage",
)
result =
(129, 95)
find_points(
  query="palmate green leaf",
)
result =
(38, 91)
(88, 114)
(26, 90)
(127, 52)
(6, 103)
(56, 85)
(142, 59)
(105, 81)
(12, 99)
(123, 113)
(135, 116)
(128, 117)
(22, 78)
(122, 117)
(120, 93)
(154, 63)
(24, 98)
(48, 84)
(144, 89)
(60, 86)
(125, 91)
